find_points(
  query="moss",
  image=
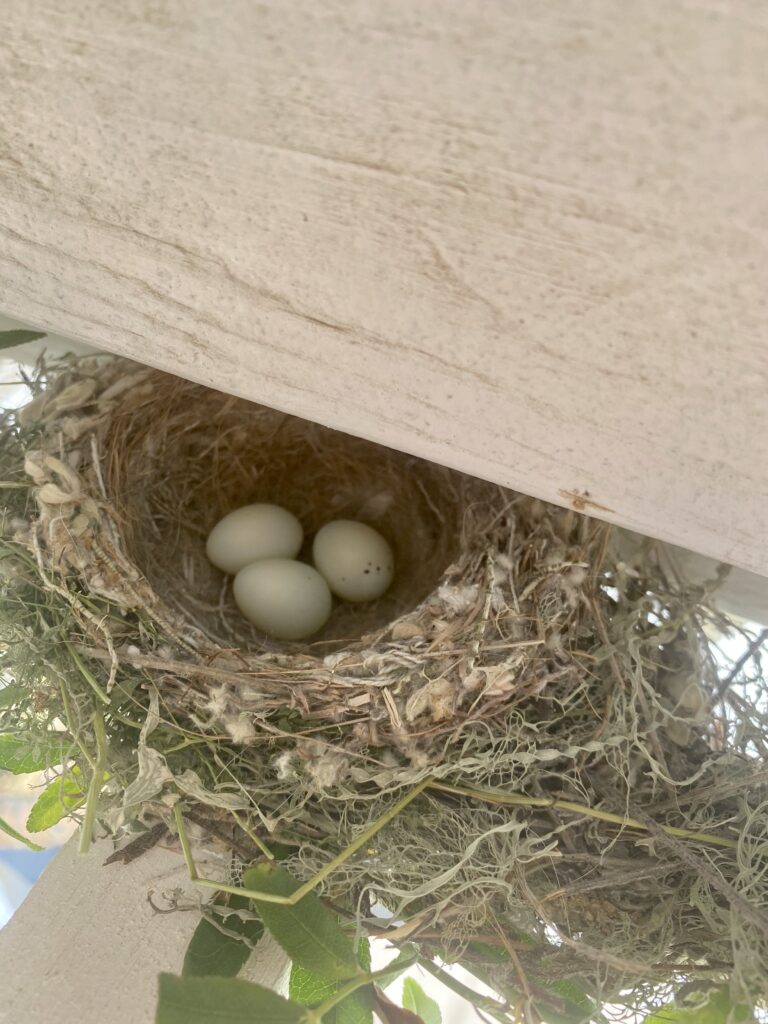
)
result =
(518, 656)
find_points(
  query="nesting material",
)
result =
(178, 456)
(582, 743)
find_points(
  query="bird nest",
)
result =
(593, 821)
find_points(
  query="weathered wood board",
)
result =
(86, 946)
(528, 240)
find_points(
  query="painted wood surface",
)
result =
(86, 945)
(528, 240)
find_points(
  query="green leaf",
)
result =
(11, 831)
(416, 999)
(211, 952)
(488, 952)
(64, 794)
(308, 932)
(404, 959)
(223, 1001)
(311, 989)
(357, 1008)
(718, 1009)
(12, 694)
(575, 1006)
(280, 851)
(21, 756)
(308, 988)
(9, 339)
(573, 993)
(390, 1013)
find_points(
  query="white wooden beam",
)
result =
(86, 946)
(526, 240)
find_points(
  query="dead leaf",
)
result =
(138, 846)
(52, 494)
(33, 466)
(67, 474)
(406, 631)
(33, 411)
(390, 1013)
(458, 599)
(74, 396)
(79, 525)
(437, 697)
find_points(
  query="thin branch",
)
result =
(97, 781)
(518, 800)
(749, 910)
(492, 1006)
(327, 869)
(253, 837)
(750, 652)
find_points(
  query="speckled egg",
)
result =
(355, 560)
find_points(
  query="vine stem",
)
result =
(186, 850)
(327, 869)
(71, 726)
(97, 781)
(253, 837)
(489, 796)
(87, 674)
(518, 800)
(316, 1014)
(480, 1002)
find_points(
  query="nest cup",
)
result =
(588, 774)
(183, 456)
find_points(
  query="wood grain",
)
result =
(528, 240)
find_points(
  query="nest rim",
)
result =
(557, 576)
